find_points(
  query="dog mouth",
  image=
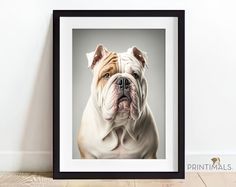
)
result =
(124, 98)
(124, 103)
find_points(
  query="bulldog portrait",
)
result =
(117, 122)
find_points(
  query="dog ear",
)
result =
(96, 56)
(141, 56)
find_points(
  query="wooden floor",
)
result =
(192, 180)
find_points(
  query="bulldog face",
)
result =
(119, 87)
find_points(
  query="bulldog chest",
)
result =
(124, 146)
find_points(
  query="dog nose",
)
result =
(123, 82)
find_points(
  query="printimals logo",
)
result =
(215, 164)
(215, 160)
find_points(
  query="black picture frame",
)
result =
(180, 14)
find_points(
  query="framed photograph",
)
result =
(118, 94)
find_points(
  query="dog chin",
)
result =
(119, 109)
(124, 106)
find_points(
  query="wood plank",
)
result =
(101, 183)
(230, 177)
(26, 179)
(158, 183)
(219, 179)
(191, 180)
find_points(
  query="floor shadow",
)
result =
(37, 140)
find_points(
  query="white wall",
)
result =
(26, 77)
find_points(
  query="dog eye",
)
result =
(135, 75)
(106, 76)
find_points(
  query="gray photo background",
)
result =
(151, 41)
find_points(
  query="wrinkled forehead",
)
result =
(128, 62)
(120, 62)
